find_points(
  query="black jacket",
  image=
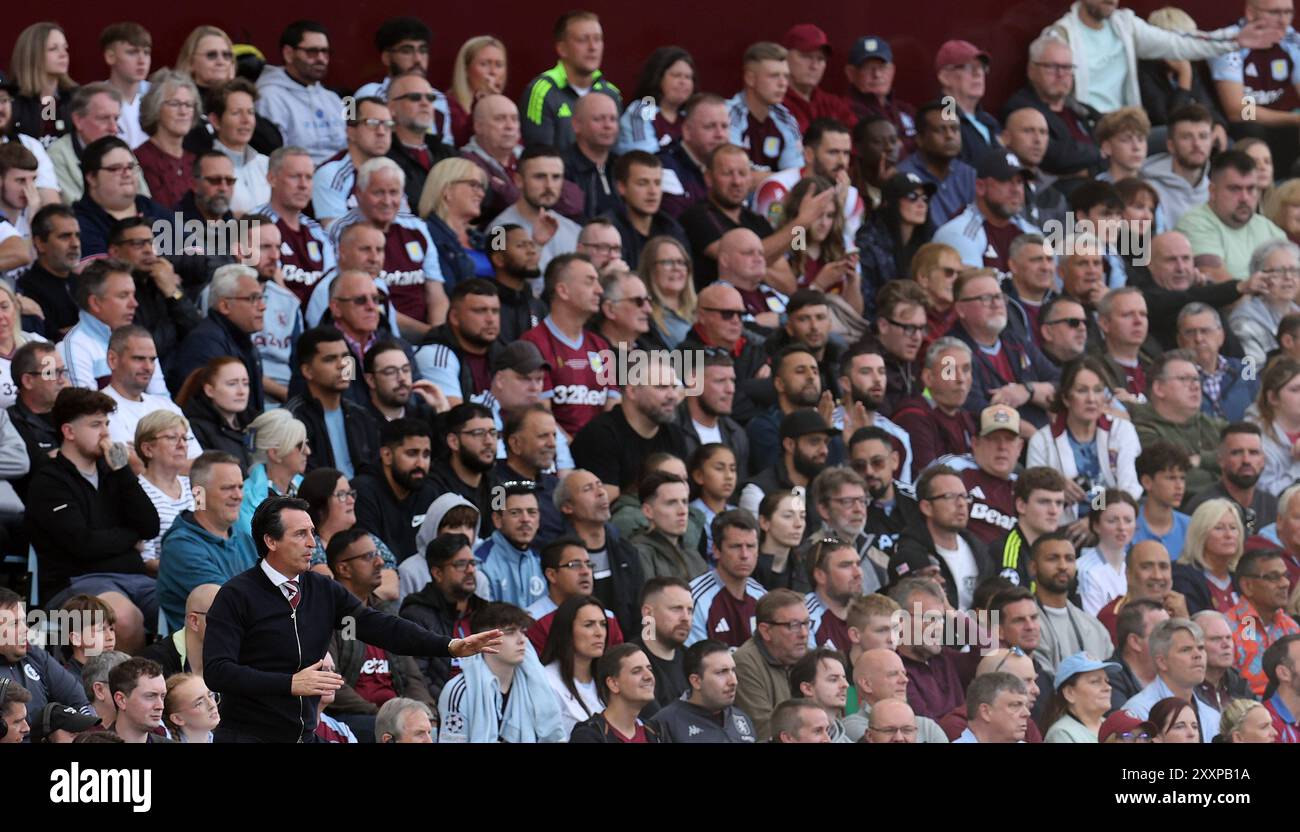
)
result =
(634, 241)
(168, 657)
(1065, 154)
(95, 222)
(733, 436)
(973, 146)
(443, 478)
(37, 430)
(670, 678)
(1161, 96)
(1195, 587)
(357, 424)
(520, 311)
(596, 729)
(168, 319)
(436, 613)
(415, 172)
(599, 194)
(443, 336)
(55, 295)
(214, 434)
(394, 521)
(256, 642)
(916, 540)
(749, 361)
(623, 594)
(1163, 306)
(27, 118)
(78, 529)
(1124, 683)
(215, 337)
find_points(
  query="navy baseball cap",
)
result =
(1002, 165)
(870, 46)
(902, 184)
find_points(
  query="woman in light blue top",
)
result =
(653, 118)
(1081, 700)
(665, 268)
(280, 454)
(712, 470)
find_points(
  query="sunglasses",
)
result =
(418, 96)
(725, 314)
(1013, 651)
(1072, 323)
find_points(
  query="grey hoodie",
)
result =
(1176, 196)
(1255, 323)
(413, 573)
(308, 116)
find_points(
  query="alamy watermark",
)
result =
(936, 629)
(1082, 236)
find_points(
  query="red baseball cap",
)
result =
(806, 37)
(957, 52)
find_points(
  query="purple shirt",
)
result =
(934, 687)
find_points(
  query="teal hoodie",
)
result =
(192, 555)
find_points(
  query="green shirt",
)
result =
(1208, 235)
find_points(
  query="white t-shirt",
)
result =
(122, 423)
(571, 711)
(961, 564)
(1099, 582)
(167, 510)
(708, 434)
(128, 120)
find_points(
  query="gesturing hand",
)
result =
(485, 642)
(312, 681)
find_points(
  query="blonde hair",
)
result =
(185, 57)
(1205, 517)
(1279, 199)
(171, 703)
(1172, 19)
(863, 608)
(1234, 716)
(276, 430)
(646, 268)
(440, 178)
(460, 70)
(153, 424)
(20, 337)
(27, 63)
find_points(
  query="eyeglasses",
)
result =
(172, 438)
(1072, 323)
(995, 299)
(124, 167)
(210, 696)
(148, 241)
(343, 496)
(1271, 577)
(1195, 334)
(377, 299)
(463, 564)
(1282, 272)
(479, 433)
(909, 330)
(394, 372)
(314, 51)
(1184, 379)
(373, 554)
(61, 373)
(418, 96)
(955, 496)
(641, 301)
(474, 184)
(1057, 68)
(672, 263)
(219, 54)
(793, 626)
(375, 123)
(904, 730)
(726, 314)
(1013, 651)
(179, 104)
(847, 502)
(577, 565)
(214, 181)
(255, 298)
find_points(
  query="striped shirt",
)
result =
(168, 509)
(720, 616)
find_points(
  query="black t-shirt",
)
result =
(54, 294)
(670, 679)
(609, 448)
(704, 224)
(380, 513)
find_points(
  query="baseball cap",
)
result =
(902, 184)
(57, 717)
(520, 356)
(1002, 165)
(868, 47)
(908, 561)
(958, 52)
(803, 422)
(1122, 722)
(1080, 662)
(998, 417)
(806, 37)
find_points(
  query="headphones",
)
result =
(4, 692)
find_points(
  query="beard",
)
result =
(1243, 481)
(410, 480)
(871, 401)
(472, 461)
(807, 466)
(217, 206)
(397, 397)
(806, 396)
(476, 339)
(522, 272)
(997, 324)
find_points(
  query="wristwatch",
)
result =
(178, 294)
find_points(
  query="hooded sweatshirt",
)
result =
(1176, 195)
(192, 555)
(309, 116)
(413, 573)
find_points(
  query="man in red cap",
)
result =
(962, 68)
(808, 52)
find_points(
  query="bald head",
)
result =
(740, 258)
(595, 122)
(1148, 571)
(200, 598)
(1005, 661)
(496, 125)
(879, 674)
(1026, 135)
(490, 106)
(721, 296)
(892, 720)
(1172, 266)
